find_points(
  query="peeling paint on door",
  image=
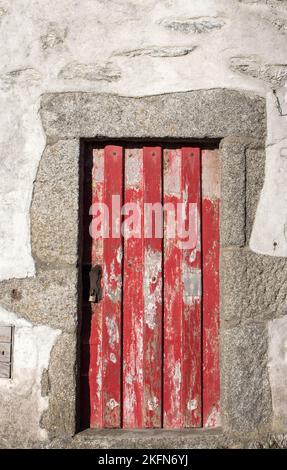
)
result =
(160, 296)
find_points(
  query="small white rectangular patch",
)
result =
(210, 174)
(191, 279)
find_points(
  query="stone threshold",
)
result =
(151, 439)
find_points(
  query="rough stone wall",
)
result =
(134, 48)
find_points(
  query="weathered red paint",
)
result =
(132, 376)
(152, 282)
(210, 246)
(101, 351)
(133, 301)
(112, 295)
(172, 372)
(96, 333)
(182, 300)
(142, 349)
(91, 349)
(191, 259)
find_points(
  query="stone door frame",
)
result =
(235, 119)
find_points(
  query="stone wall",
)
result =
(140, 49)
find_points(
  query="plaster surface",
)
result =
(22, 401)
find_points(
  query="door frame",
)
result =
(235, 119)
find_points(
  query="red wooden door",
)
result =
(150, 344)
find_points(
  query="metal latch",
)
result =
(96, 293)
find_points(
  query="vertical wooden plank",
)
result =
(210, 245)
(91, 334)
(96, 309)
(182, 291)
(172, 370)
(152, 290)
(112, 293)
(142, 296)
(133, 302)
(191, 280)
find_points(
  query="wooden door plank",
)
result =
(152, 289)
(210, 246)
(133, 302)
(142, 296)
(182, 291)
(96, 309)
(172, 368)
(112, 292)
(191, 278)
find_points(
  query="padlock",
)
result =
(95, 284)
